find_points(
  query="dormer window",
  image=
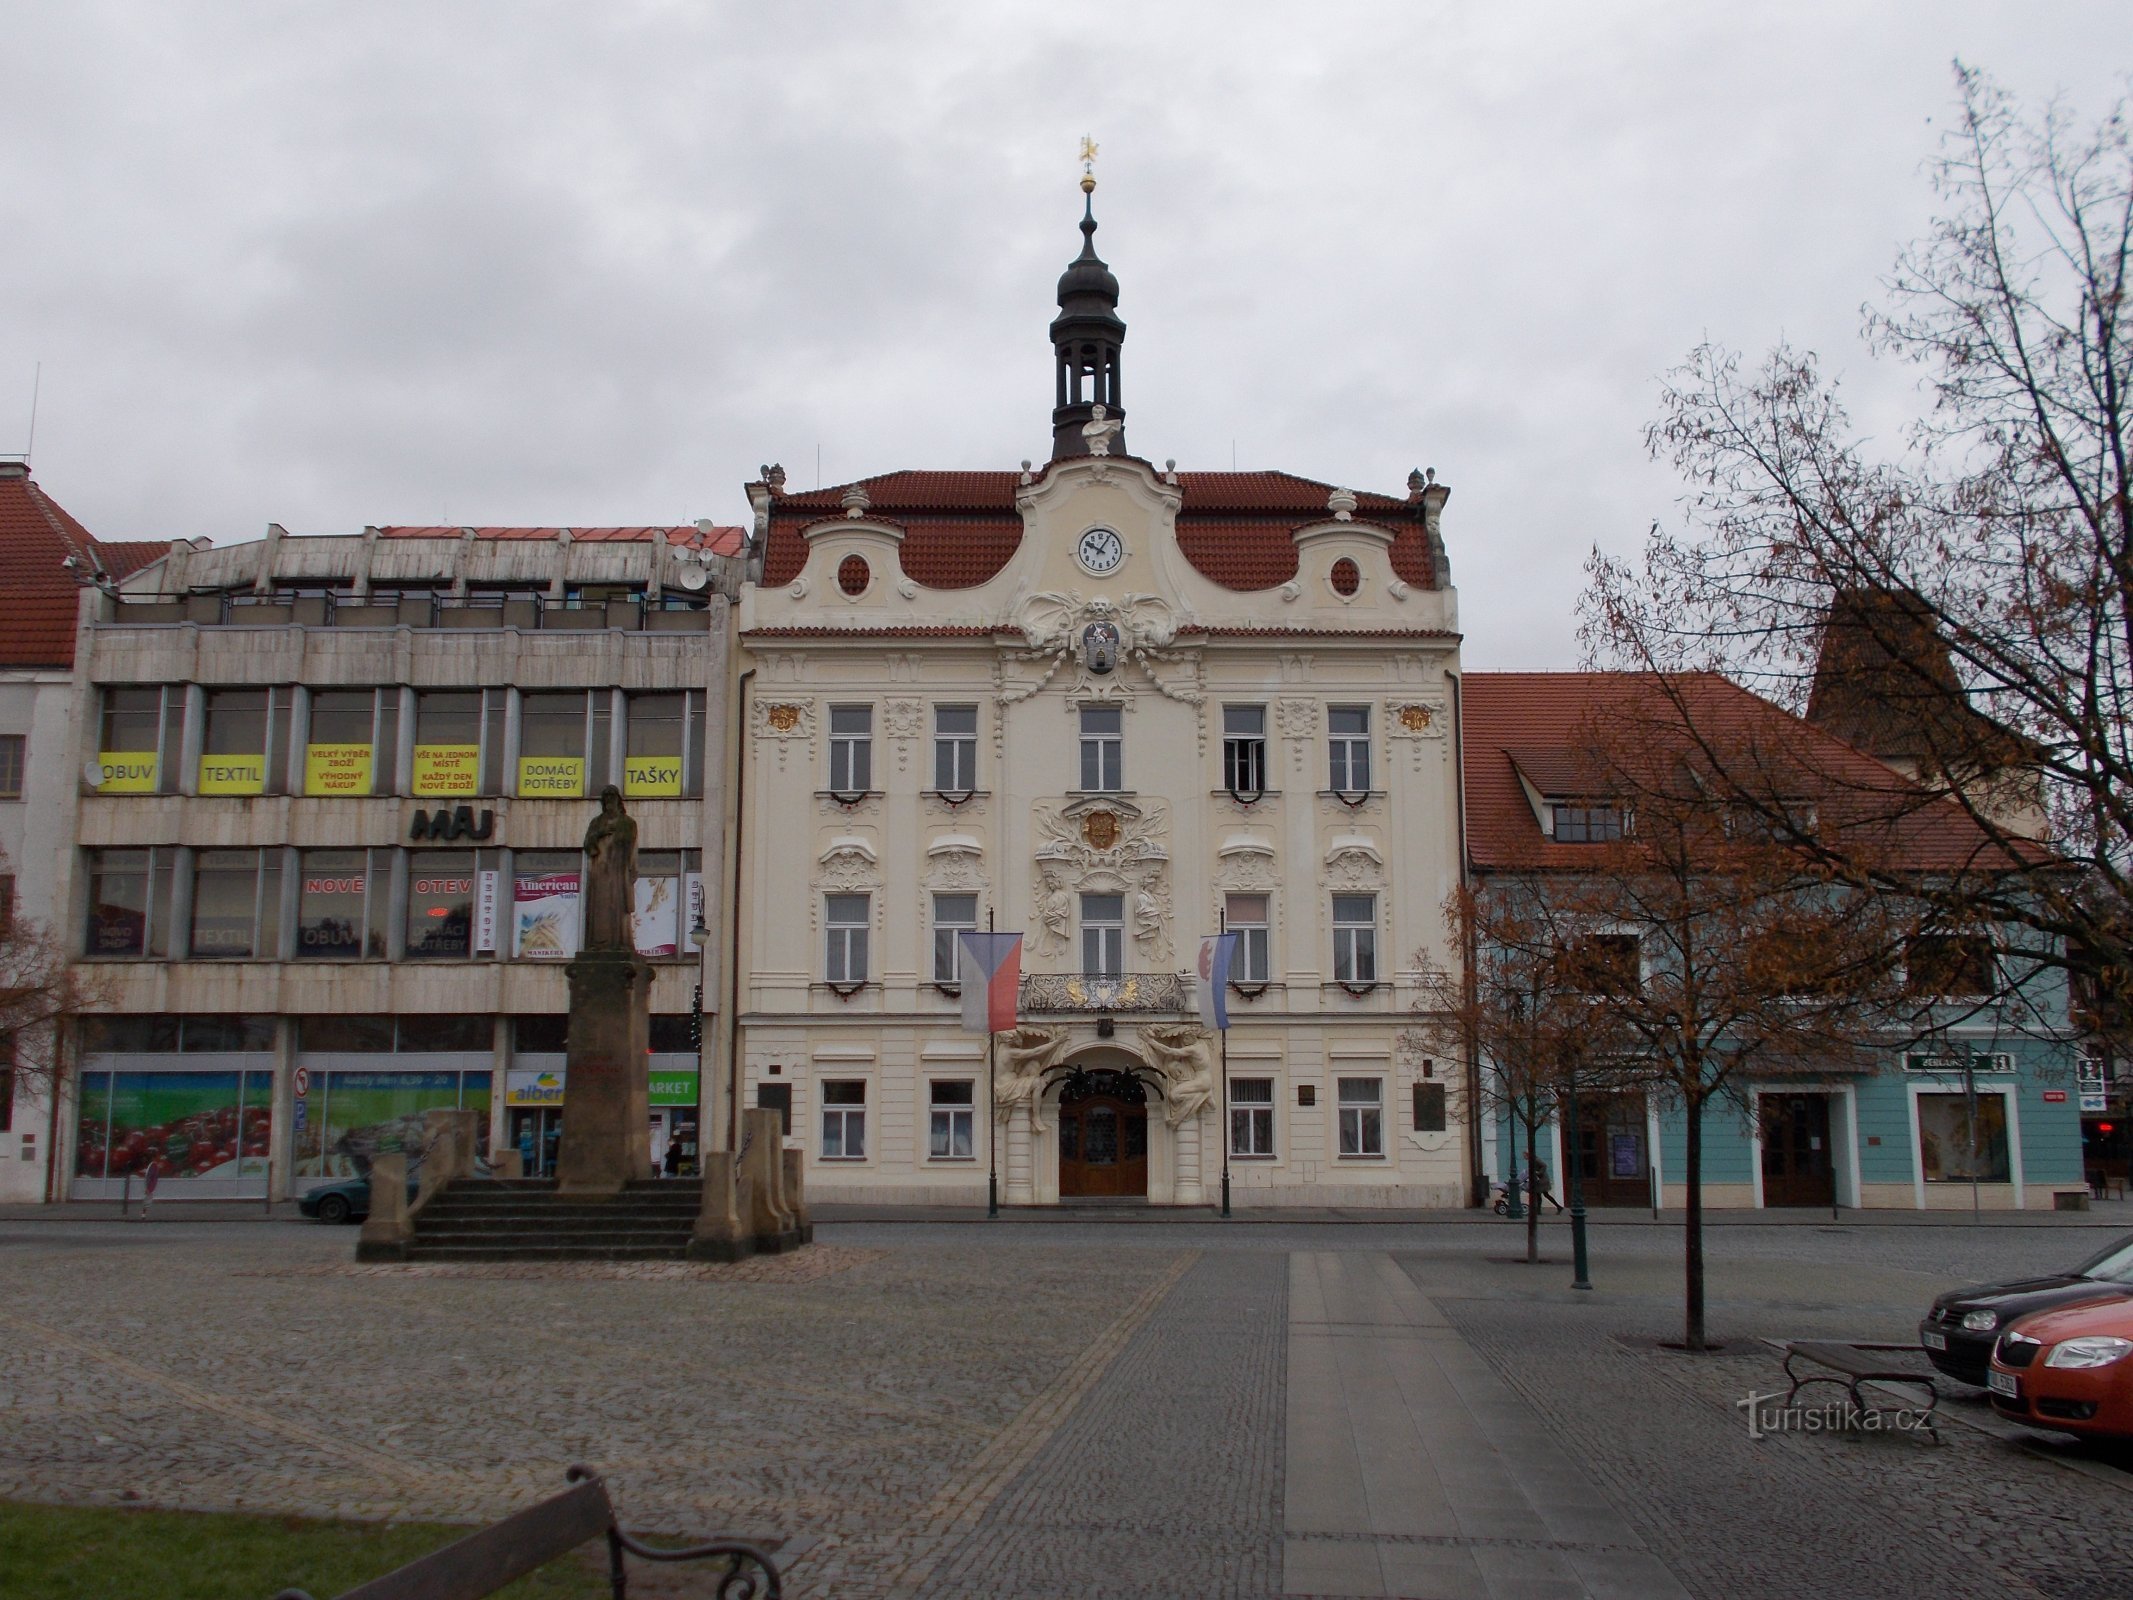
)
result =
(1583, 822)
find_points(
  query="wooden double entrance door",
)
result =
(1614, 1165)
(1103, 1137)
(1797, 1167)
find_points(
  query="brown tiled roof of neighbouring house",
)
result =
(37, 539)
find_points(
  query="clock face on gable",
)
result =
(1100, 551)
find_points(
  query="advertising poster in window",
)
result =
(487, 890)
(447, 769)
(183, 1125)
(368, 1112)
(126, 772)
(233, 774)
(656, 922)
(652, 776)
(330, 918)
(551, 777)
(337, 769)
(545, 917)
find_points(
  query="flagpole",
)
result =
(1222, 927)
(992, 1119)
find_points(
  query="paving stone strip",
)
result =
(805, 1266)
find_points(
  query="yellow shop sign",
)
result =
(448, 769)
(233, 774)
(337, 769)
(126, 772)
(552, 776)
(652, 775)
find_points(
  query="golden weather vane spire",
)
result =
(1088, 165)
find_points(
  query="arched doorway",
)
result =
(1103, 1136)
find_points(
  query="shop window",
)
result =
(669, 887)
(129, 902)
(1362, 1116)
(951, 1115)
(1245, 915)
(1954, 1147)
(244, 746)
(544, 904)
(672, 1034)
(1103, 749)
(1348, 749)
(1103, 935)
(340, 905)
(459, 743)
(563, 744)
(351, 1115)
(345, 1035)
(1244, 750)
(11, 751)
(844, 1119)
(139, 732)
(953, 916)
(1429, 1107)
(664, 756)
(212, 1035)
(138, 1035)
(845, 920)
(1355, 938)
(186, 1127)
(540, 1035)
(236, 905)
(1251, 1117)
(440, 904)
(350, 744)
(955, 749)
(1948, 966)
(851, 749)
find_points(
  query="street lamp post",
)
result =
(1579, 1279)
(700, 936)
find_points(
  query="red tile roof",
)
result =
(1535, 722)
(961, 528)
(721, 541)
(37, 536)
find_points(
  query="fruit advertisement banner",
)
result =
(551, 777)
(545, 917)
(126, 772)
(183, 1125)
(348, 1117)
(233, 774)
(447, 769)
(651, 775)
(337, 769)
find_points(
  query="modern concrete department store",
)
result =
(332, 799)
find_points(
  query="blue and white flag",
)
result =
(1212, 989)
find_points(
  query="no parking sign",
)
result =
(300, 1082)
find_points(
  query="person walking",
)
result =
(1540, 1185)
(525, 1150)
(149, 1175)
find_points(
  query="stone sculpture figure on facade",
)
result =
(1185, 1056)
(610, 875)
(1055, 910)
(1101, 429)
(1025, 1056)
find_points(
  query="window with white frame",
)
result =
(844, 1119)
(1355, 938)
(1103, 935)
(844, 916)
(1102, 749)
(1245, 915)
(951, 1116)
(1348, 749)
(955, 749)
(851, 749)
(1251, 1117)
(1963, 1137)
(953, 916)
(1362, 1114)
(1244, 750)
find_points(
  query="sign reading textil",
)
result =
(337, 769)
(233, 774)
(447, 769)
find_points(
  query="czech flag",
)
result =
(992, 976)
(1212, 990)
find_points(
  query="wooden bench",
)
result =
(1851, 1364)
(483, 1562)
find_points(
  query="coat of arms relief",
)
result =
(1099, 635)
(1103, 844)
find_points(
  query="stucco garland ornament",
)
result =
(1025, 1056)
(1185, 1056)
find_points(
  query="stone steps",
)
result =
(420, 1251)
(528, 1219)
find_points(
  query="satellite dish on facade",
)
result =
(692, 575)
(92, 773)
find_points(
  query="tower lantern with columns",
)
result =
(1087, 337)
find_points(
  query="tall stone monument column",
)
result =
(607, 1111)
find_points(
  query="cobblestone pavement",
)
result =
(1030, 1411)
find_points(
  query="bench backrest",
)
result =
(482, 1563)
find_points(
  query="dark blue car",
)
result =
(346, 1201)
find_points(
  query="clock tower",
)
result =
(1087, 337)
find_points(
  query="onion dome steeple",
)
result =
(1086, 338)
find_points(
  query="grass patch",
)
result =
(99, 1552)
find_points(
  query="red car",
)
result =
(2070, 1369)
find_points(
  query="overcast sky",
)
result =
(574, 264)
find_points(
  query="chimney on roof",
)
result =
(14, 467)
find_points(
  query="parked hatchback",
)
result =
(2070, 1369)
(1959, 1332)
(346, 1201)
